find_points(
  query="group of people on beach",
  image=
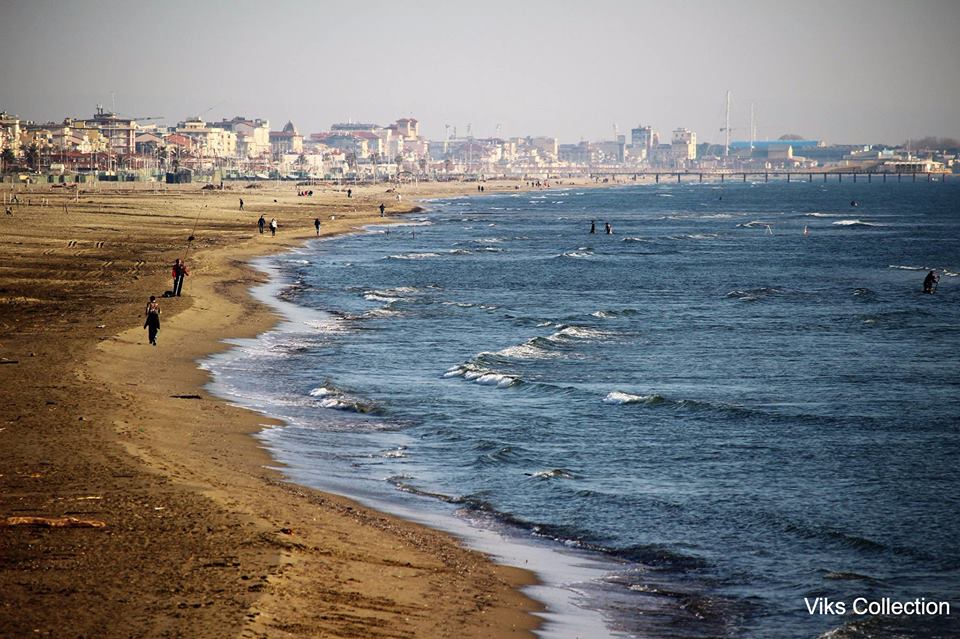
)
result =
(262, 222)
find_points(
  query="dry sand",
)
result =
(201, 536)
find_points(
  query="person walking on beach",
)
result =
(349, 192)
(382, 209)
(261, 223)
(179, 272)
(273, 226)
(152, 323)
(930, 282)
(593, 227)
(316, 223)
(608, 228)
(241, 204)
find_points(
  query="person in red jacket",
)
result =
(179, 272)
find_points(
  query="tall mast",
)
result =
(726, 129)
(753, 128)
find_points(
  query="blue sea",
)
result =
(737, 400)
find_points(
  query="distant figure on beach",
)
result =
(261, 223)
(316, 223)
(930, 282)
(382, 209)
(179, 272)
(273, 226)
(608, 228)
(152, 323)
(241, 204)
(593, 227)
(349, 192)
(8, 210)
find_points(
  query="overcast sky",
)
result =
(850, 71)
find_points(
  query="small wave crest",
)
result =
(856, 224)
(619, 397)
(582, 252)
(413, 256)
(481, 375)
(553, 473)
(333, 398)
(753, 294)
(613, 313)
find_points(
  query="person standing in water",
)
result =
(152, 323)
(593, 227)
(930, 282)
(179, 272)
(608, 228)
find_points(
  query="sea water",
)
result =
(738, 401)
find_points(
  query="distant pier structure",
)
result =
(787, 176)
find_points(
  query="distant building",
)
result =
(641, 142)
(407, 127)
(121, 133)
(546, 147)
(10, 133)
(610, 150)
(253, 136)
(797, 145)
(684, 145)
(344, 141)
(209, 141)
(287, 141)
(575, 153)
(349, 127)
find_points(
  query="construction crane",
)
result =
(205, 111)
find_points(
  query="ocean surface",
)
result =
(738, 400)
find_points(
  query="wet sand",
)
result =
(177, 522)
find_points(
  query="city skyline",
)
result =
(859, 72)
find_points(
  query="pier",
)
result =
(766, 176)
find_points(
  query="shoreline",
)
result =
(554, 569)
(199, 450)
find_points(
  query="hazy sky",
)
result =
(848, 71)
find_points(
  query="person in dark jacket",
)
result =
(152, 323)
(179, 272)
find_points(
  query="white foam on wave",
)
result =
(527, 350)
(752, 224)
(480, 375)
(619, 397)
(909, 268)
(579, 332)
(855, 223)
(942, 270)
(413, 256)
(390, 295)
(579, 254)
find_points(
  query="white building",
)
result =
(684, 145)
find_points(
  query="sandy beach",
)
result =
(132, 503)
